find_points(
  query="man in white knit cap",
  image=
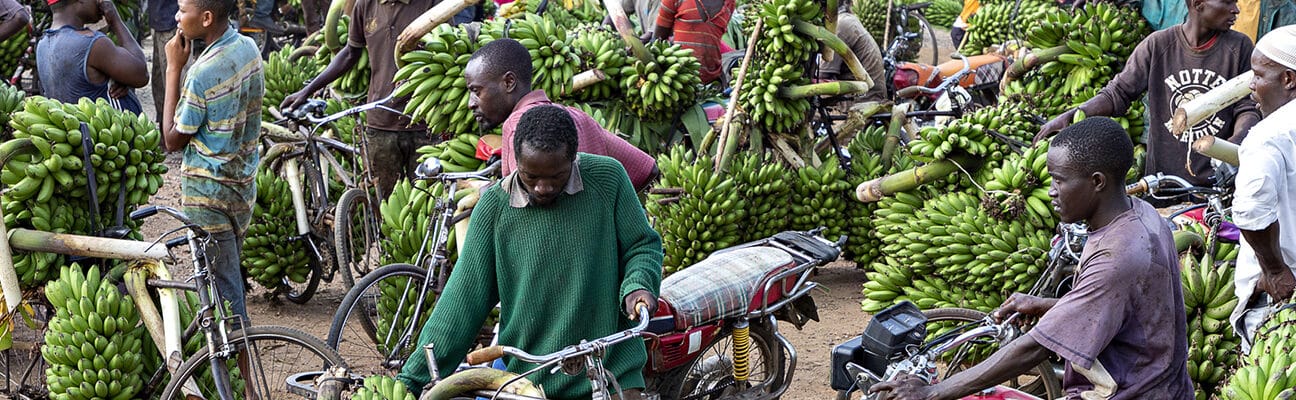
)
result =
(1264, 207)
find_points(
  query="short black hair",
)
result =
(505, 55)
(220, 9)
(547, 128)
(1098, 144)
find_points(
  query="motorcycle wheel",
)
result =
(710, 374)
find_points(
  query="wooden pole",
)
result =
(622, 24)
(8, 275)
(85, 246)
(1217, 148)
(437, 15)
(733, 98)
(1209, 103)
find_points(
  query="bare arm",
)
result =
(124, 64)
(343, 62)
(1242, 125)
(14, 24)
(1007, 363)
(172, 139)
(1276, 278)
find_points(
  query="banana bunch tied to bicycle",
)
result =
(269, 251)
(1268, 371)
(863, 245)
(998, 22)
(49, 187)
(381, 387)
(697, 210)
(284, 77)
(768, 188)
(459, 154)
(986, 133)
(820, 198)
(11, 99)
(94, 341)
(943, 12)
(779, 62)
(1209, 299)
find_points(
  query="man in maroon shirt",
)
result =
(1122, 330)
(499, 92)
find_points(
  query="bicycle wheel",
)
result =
(1040, 381)
(927, 36)
(280, 359)
(356, 232)
(319, 214)
(710, 374)
(370, 325)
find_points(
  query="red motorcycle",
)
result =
(715, 333)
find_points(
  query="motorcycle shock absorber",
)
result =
(741, 349)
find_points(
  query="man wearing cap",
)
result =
(75, 62)
(1264, 206)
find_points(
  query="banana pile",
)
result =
(433, 78)
(93, 345)
(998, 22)
(391, 305)
(601, 49)
(11, 53)
(873, 15)
(1209, 300)
(355, 82)
(862, 243)
(284, 77)
(759, 96)
(780, 41)
(48, 188)
(664, 86)
(765, 185)
(985, 133)
(1267, 372)
(10, 100)
(1018, 190)
(406, 213)
(382, 387)
(819, 198)
(458, 154)
(343, 129)
(703, 217)
(269, 253)
(942, 13)
(553, 58)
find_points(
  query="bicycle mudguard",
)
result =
(471, 380)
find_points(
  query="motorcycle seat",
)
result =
(722, 285)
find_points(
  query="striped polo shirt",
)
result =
(220, 105)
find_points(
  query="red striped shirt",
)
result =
(695, 29)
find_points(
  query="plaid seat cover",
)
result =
(721, 286)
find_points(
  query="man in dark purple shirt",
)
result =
(1122, 330)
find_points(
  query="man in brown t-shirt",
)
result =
(1174, 66)
(1122, 330)
(393, 137)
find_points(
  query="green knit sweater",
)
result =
(560, 274)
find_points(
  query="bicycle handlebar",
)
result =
(431, 169)
(174, 213)
(1164, 186)
(943, 86)
(491, 353)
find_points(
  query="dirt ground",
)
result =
(838, 301)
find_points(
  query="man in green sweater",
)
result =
(563, 245)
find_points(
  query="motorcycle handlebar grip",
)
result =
(485, 355)
(907, 92)
(1136, 188)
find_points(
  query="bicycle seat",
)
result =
(723, 285)
(313, 107)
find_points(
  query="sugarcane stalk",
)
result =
(893, 134)
(335, 11)
(586, 79)
(830, 24)
(1217, 148)
(8, 275)
(437, 15)
(730, 120)
(623, 28)
(857, 118)
(834, 88)
(1209, 103)
(1032, 60)
(907, 180)
(831, 40)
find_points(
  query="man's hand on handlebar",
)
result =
(637, 297)
(294, 100)
(903, 387)
(1029, 307)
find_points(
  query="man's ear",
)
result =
(1289, 79)
(207, 18)
(1099, 181)
(509, 80)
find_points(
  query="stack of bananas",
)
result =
(759, 96)
(703, 217)
(269, 253)
(765, 185)
(11, 53)
(433, 78)
(343, 129)
(873, 15)
(396, 302)
(1018, 189)
(862, 243)
(820, 198)
(942, 13)
(10, 100)
(888, 275)
(1209, 300)
(997, 22)
(1267, 372)
(284, 77)
(780, 41)
(601, 49)
(406, 214)
(984, 133)
(93, 345)
(48, 188)
(661, 88)
(554, 59)
(381, 387)
(355, 82)
(458, 154)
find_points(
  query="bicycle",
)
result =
(377, 336)
(329, 227)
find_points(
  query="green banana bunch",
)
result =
(355, 82)
(94, 341)
(985, 133)
(11, 98)
(601, 49)
(381, 387)
(554, 60)
(873, 15)
(820, 198)
(458, 154)
(759, 96)
(48, 188)
(702, 217)
(433, 78)
(1209, 301)
(344, 129)
(780, 42)
(862, 242)
(943, 12)
(1018, 189)
(766, 186)
(396, 303)
(406, 213)
(663, 87)
(1267, 372)
(284, 77)
(12, 51)
(891, 274)
(269, 254)
(998, 22)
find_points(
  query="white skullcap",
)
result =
(1280, 45)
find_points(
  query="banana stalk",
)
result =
(733, 99)
(1032, 60)
(830, 24)
(434, 16)
(1209, 103)
(1185, 240)
(335, 11)
(1217, 148)
(278, 132)
(731, 143)
(85, 246)
(304, 51)
(586, 79)
(857, 118)
(622, 24)
(137, 285)
(835, 88)
(904, 181)
(831, 40)
(8, 275)
(481, 379)
(893, 134)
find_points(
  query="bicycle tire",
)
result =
(924, 26)
(355, 215)
(267, 341)
(357, 332)
(1040, 381)
(700, 378)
